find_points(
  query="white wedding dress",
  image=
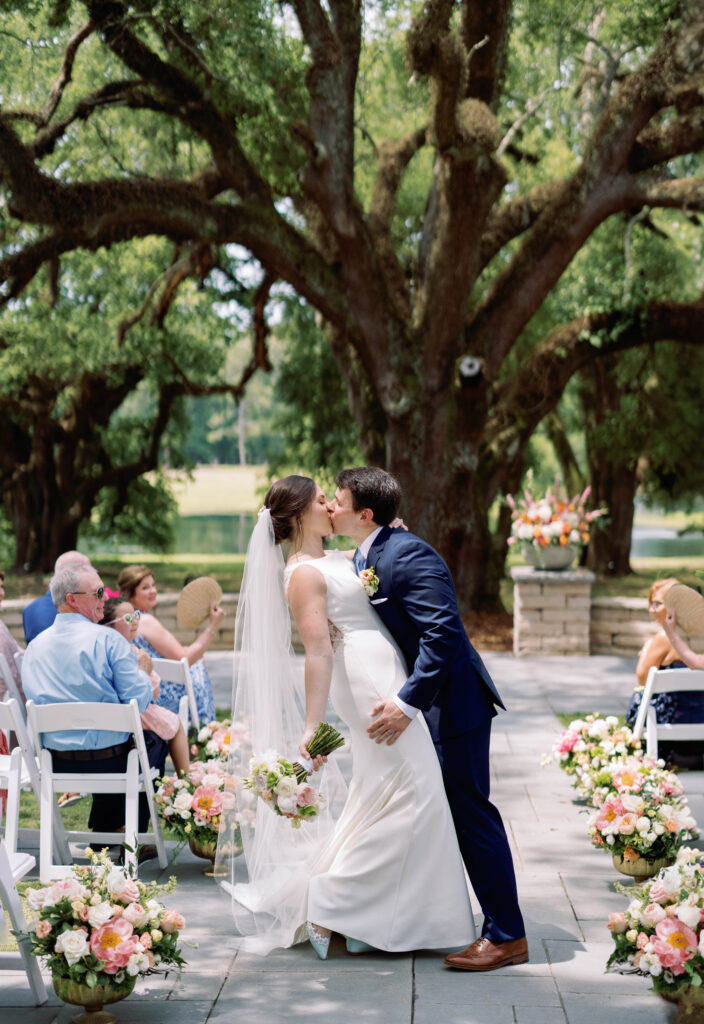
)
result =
(390, 873)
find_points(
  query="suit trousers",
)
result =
(108, 810)
(480, 831)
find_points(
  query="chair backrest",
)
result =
(10, 682)
(83, 716)
(12, 720)
(178, 671)
(666, 680)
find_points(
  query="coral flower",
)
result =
(207, 801)
(674, 944)
(630, 854)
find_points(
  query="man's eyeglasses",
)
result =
(129, 617)
(99, 593)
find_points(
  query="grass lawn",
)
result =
(221, 490)
(566, 717)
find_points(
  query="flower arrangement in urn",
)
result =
(661, 934)
(214, 739)
(192, 806)
(555, 520)
(100, 929)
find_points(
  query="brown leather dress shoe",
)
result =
(484, 955)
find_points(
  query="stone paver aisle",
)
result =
(566, 891)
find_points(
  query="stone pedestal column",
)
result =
(551, 611)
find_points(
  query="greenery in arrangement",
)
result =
(474, 223)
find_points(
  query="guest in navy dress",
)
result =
(136, 584)
(664, 650)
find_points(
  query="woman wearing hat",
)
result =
(665, 650)
(136, 583)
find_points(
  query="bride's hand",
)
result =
(398, 524)
(318, 761)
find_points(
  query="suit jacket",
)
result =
(416, 600)
(38, 616)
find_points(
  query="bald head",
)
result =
(70, 558)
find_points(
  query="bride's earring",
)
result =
(319, 939)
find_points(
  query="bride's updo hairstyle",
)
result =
(287, 501)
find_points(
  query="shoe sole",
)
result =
(490, 967)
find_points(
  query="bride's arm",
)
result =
(307, 595)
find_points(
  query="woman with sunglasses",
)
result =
(120, 615)
(136, 584)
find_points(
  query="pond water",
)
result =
(656, 542)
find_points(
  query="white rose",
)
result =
(574, 537)
(36, 898)
(204, 734)
(211, 748)
(525, 531)
(286, 786)
(701, 942)
(212, 780)
(632, 803)
(643, 824)
(98, 916)
(138, 963)
(183, 801)
(287, 803)
(73, 945)
(688, 915)
(154, 909)
(116, 882)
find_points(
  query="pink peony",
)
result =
(207, 802)
(617, 923)
(114, 943)
(566, 741)
(674, 944)
(609, 811)
(43, 928)
(172, 921)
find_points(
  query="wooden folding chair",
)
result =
(178, 671)
(667, 680)
(137, 777)
(13, 867)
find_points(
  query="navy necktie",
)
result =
(359, 561)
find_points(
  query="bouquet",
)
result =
(215, 739)
(632, 825)
(661, 935)
(276, 781)
(192, 806)
(555, 519)
(101, 926)
(588, 744)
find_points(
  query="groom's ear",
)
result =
(366, 516)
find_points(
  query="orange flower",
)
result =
(564, 539)
(630, 854)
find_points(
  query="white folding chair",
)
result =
(137, 777)
(13, 867)
(179, 671)
(20, 770)
(10, 682)
(666, 680)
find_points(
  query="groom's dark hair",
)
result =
(372, 488)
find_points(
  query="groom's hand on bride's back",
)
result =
(388, 722)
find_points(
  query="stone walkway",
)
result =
(566, 890)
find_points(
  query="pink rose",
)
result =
(207, 802)
(83, 913)
(306, 796)
(130, 892)
(114, 943)
(627, 824)
(617, 923)
(642, 940)
(136, 915)
(172, 922)
(653, 914)
(567, 741)
(43, 928)
(658, 892)
(145, 940)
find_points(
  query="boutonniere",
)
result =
(370, 581)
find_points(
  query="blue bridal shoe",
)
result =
(318, 940)
(355, 947)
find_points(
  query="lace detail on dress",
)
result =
(337, 637)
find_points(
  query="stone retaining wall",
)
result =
(621, 625)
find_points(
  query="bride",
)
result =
(382, 867)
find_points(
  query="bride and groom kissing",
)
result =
(390, 874)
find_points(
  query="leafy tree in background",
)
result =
(426, 219)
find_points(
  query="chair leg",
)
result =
(132, 807)
(12, 808)
(13, 907)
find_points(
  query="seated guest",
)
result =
(137, 586)
(676, 707)
(39, 614)
(75, 659)
(120, 615)
(9, 647)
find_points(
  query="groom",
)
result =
(449, 683)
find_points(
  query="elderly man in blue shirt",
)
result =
(75, 659)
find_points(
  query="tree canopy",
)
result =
(422, 175)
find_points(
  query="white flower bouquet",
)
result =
(661, 934)
(101, 926)
(636, 774)
(214, 739)
(192, 806)
(277, 782)
(587, 745)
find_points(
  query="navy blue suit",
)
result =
(450, 684)
(38, 616)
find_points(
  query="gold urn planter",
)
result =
(641, 868)
(690, 1004)
(92, 999)
(206, 850)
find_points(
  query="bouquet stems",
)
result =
(325, 740)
